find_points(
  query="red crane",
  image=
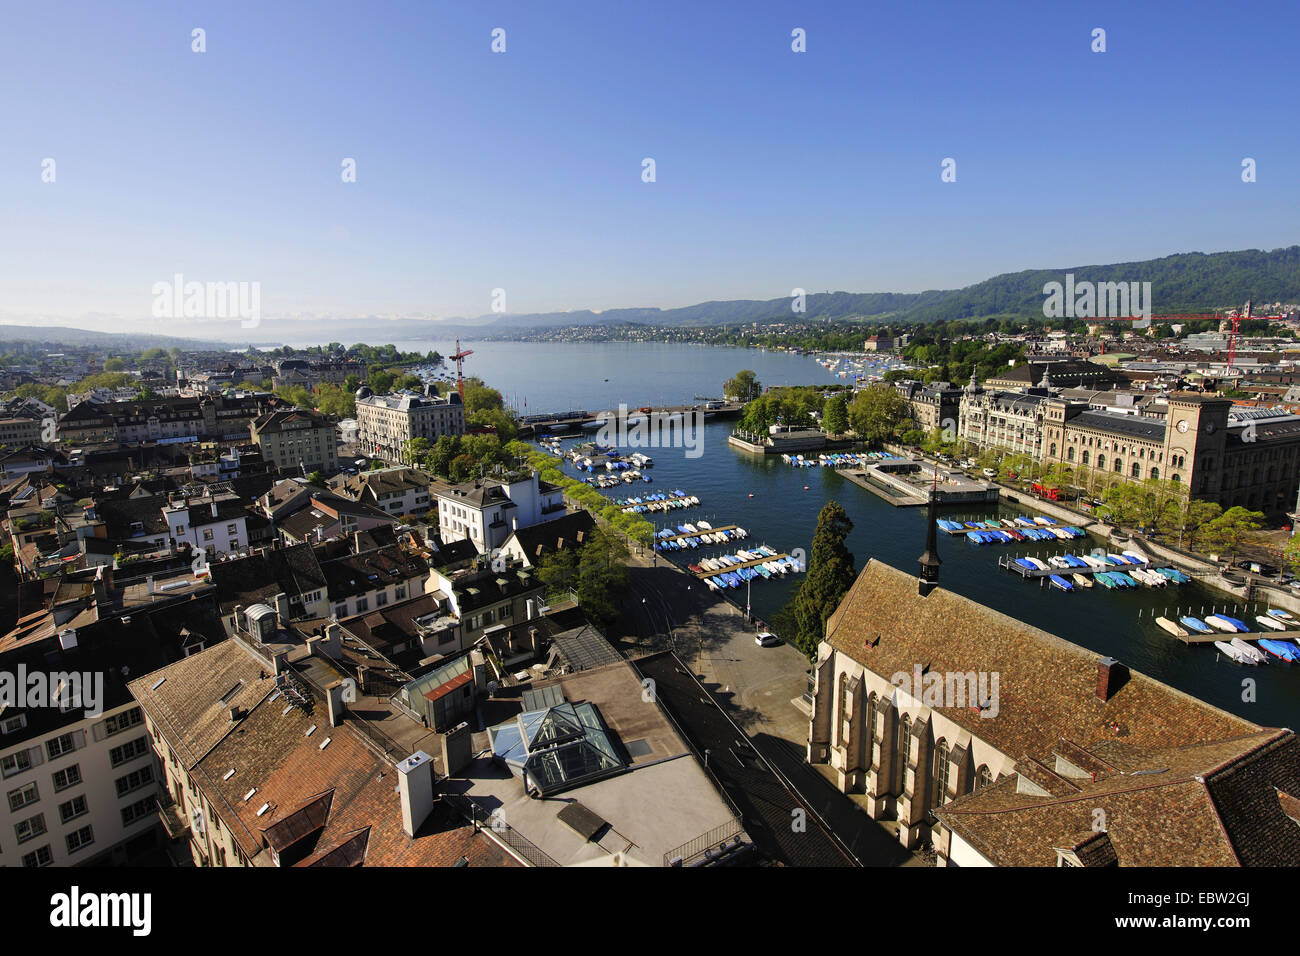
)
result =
(459, 357)
(1235, 319)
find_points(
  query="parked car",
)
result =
(767, 639)
(990, 473)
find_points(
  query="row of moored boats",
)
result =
(1008, 530)
(733, 570)
(839, 459)
(657, 503)
(699, 534)
(1239, 650)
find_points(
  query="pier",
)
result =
(907, 484)
(744, 564)
(531, 426)
(695, 534)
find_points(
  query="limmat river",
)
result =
(778, 505)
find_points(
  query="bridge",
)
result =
(576, 420)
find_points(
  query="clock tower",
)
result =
(1195, 438)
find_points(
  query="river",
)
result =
(779, 505)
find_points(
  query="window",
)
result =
(67, 777)
(983, 777)
(71, 809)
(119, 722)
(80, 838)
(41, 856)
(381, 599)
(400, 592)
(128, 751)
(30, 828)
(137, 810)
(207, 534)
(845, 718)
(942, 769)
(60, 745)
(904, 748)
(341, 610)
(363, 605)
(23, 796)
(134, 780)
(13, 724)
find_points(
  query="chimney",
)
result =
(282, 609)
(279, 663)
(149, 583)
(334, 694)
(214, 507)
(415, 783)
(240, 623)
(929, 561)
(1111, 675)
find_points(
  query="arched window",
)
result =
(902, 752)
(845, 716)
(941, 772)
(983, 777)
(1101, 462)
(1155, 474)
(1085, 458)
(1052, 452)
(871, 731)
(1174, 478)
(1119, 466)
(1136, 470)
(1069, 453)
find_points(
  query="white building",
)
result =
(488, 511)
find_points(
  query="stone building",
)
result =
(386, 424)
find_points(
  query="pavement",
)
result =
(757, 688)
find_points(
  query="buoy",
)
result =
(751, 494)
(805, 487)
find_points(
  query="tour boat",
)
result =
(1171, 627)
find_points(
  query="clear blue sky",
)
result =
(522, 170)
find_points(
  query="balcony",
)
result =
(173, 818)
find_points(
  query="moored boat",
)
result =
(1177, 631)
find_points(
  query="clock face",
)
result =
(1182, 426)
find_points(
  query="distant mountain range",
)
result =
(1187, 282)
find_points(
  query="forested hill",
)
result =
(1188, 282)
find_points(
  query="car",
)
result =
(990, 473)
(767, 639)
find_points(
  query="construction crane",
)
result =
(460, 356)
(1234, 318)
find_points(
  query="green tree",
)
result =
(835, 415)
(114, 365)
(1235, 529)
(316, 478)
(602, 573)
(744, 387)
(558, 570)
(876, 413)
(829, 577)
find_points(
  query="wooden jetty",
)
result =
(744, 564)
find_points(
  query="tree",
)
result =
(558, 570)
(602, 571)
(114, 365)
(1291, 554)
(835, 415)
(744, 387)
(830, 575)
(876, 413)
(316, 478)
(1235, 529)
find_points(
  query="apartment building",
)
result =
(398, 490)
(262, 766)
(386, 424)
(298, 440)
(488, 511)
(216, 525)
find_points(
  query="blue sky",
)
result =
(522, 170)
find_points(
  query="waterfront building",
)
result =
(386, 424)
